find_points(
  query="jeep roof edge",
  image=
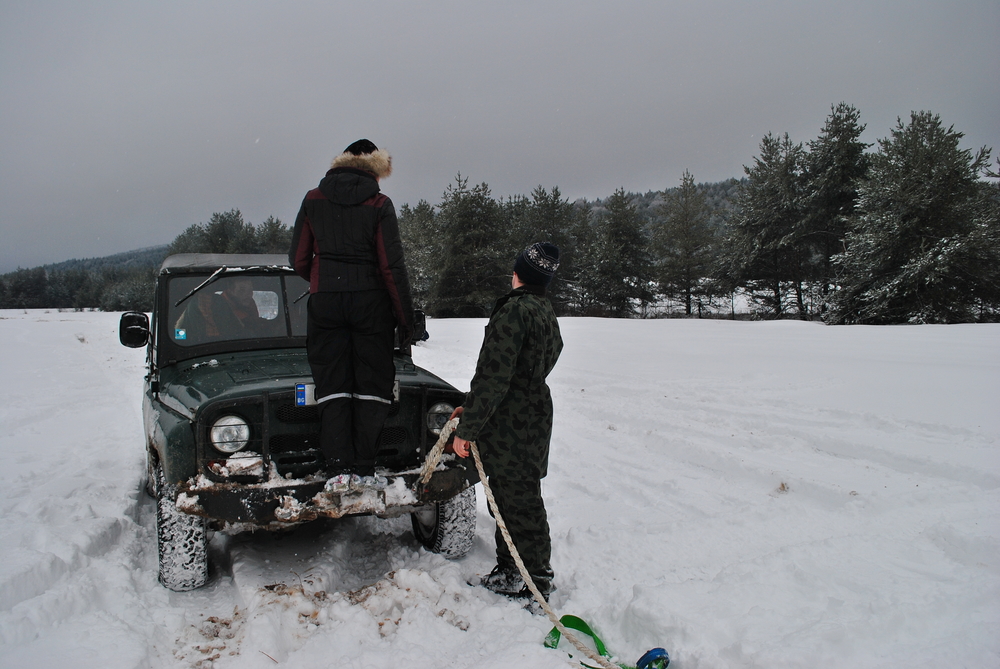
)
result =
(199, 261)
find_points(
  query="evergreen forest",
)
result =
(905, 231)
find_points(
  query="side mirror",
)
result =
(133, 329)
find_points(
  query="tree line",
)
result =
(906, 233)
(126, 281)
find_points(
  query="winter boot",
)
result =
(533, 607)
(545, 587)
(504, 580)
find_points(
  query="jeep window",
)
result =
(232, 308)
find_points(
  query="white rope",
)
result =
(434, 456)
(431, 463)
(524, 570)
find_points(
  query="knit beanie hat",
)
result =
(537, 264)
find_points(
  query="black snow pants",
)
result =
(349, 342)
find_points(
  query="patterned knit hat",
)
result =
(537, 264)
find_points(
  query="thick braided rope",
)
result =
(431, 463)
(434, 456)
(524, 570)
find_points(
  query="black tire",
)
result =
(152, 483)
(448, 527)
(182, 542)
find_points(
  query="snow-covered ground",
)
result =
(774, 494)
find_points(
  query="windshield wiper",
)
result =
(204, 283)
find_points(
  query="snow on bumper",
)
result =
(273, 504)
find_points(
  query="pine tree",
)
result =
(423, 248)
(684, 244)
(579, 280)
(472, 274)
(192, 240)
(984, 257)
(836, 165)
(131, 290)
(549, 219)
(623, 271)
(227, 233)
(25, 288)
(763, 250)
(273, 236)
(924, 245)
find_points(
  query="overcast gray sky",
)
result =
(123, 123)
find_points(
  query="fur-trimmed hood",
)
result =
(378, 162)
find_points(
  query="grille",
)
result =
(298, 463)
(391, 436)
(290, 443)
(289, 413)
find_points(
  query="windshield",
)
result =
(235, 307)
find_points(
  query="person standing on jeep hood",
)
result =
(346, 244)
(508, 413)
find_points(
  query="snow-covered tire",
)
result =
(152, 483)
(182, 542)
(449, 527)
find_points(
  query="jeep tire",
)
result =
(448, 527)
(152, 483)
(182, 542)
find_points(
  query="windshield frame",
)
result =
(168, 352)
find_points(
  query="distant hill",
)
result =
(113, 283)
(151, 257)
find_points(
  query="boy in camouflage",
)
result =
(508, 413)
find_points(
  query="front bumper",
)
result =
(272, 505)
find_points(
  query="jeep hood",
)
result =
(187, 386)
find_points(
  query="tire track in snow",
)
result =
(353, 578)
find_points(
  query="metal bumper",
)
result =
(265, 505)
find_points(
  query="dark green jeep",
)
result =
(232, 430)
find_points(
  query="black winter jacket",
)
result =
(346, 238)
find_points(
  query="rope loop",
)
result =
(437, 450)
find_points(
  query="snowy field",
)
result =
(774, 494)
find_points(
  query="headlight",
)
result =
(438, 416)
(230, 434)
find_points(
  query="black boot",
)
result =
(504, 580)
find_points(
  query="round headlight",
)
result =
(230, 434)
(438, 416)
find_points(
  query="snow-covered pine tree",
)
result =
(423, 248)
(836, 165)
(919, 250)
(763, 251)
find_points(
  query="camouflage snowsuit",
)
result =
(508, 413)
